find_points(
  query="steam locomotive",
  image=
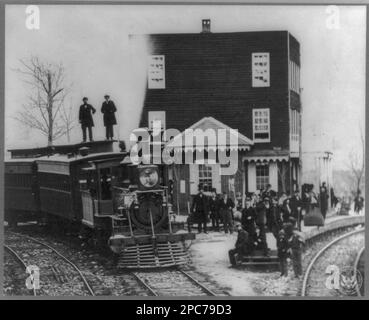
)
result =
(102, 196)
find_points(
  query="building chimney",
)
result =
(205, 25)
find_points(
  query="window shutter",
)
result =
(251, 174)
(273, 175)
(194, 178)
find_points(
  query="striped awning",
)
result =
(265, 158)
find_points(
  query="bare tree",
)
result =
(45, 102)
(357, 164)
(67, 117)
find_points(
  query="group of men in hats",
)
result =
(86, 111)
(261, 213)
(218, 208)
(265, 212)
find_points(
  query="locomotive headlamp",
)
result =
(149, 177)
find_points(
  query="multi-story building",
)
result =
(248, 81)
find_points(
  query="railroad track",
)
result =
(14, 274)
(360, 268)
(58, 275)
(341, 253)
(174, 282)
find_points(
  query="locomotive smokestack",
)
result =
(205, 25)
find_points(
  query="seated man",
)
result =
(242, 246)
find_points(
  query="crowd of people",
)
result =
(257, 214)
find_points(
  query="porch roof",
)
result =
(193, 138)
(266, 155)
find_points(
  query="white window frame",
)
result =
(152, 115)
(156, 72)
(208, 169)
(260, 140)
(266, 180)
(294, 77)
(256, 83)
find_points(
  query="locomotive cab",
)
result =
(97, 184)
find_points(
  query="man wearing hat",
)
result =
(85, 118)
(248, 217)
(242, 246)
(296, 205)
(200, 210)
(262, 211)
(108, 109)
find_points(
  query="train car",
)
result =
(62, 180)
(22, 202)
(103, 198)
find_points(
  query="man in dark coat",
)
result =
(323, 198)
(358, 202)
(262, 210)
(226, 206)
(282, 246)
(214, 210)
(108, 109)
(295, 243)
(85, 118)
(276, 220)
(242, 246)
(200, 210)
(296, 206)
(248, 218)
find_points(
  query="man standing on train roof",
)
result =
(85, 118)
(108, 109)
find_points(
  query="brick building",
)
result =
(243, 80)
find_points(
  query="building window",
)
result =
(262, 175)
(295, 123)
(260, 69)
(156, 72)
(205, 177)
(261, 125)
(294, 76)
(157, 118)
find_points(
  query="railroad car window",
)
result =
(106, 184)
(262, 175)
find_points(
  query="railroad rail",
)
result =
(56, 271)
(20, 262)
(360, 268)
(314, 279)
(175, 282)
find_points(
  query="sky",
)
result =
(92, 43)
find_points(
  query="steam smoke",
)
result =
(135, 80)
